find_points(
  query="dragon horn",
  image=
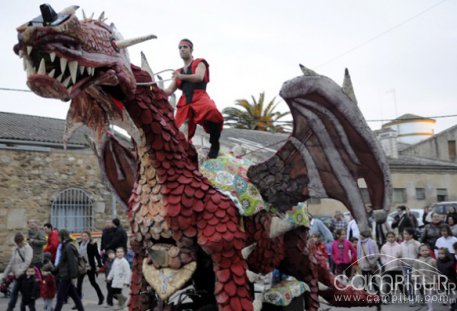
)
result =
(307, 71)
(70, 10)
(121, 44)
(102, 16)
(348, 89)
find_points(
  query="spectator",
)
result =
(48, 282)
(409, 252)
(342, 253)
(403, 220)
(119, 236)
(319, 245)
(53, 240)
(36, 239)
(67, 270)
(108, 264)
(452, 213)
(446, 240)
(119, 276)
(20, 260)
(352, 229)
(432, 231)
(423, 271)
(427, 210)
(89, 250)
(367, 258)
(452, 224)
(107, 237)
(380, 227)
(338, 222)
(317, 226)
(390, 253)
(446, 265)
(30, 289)
(354, 264)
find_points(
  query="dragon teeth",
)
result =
(42, 67)
(63, 64)
(30, 69)
(59, 78)
(69, 89)
(51, 73)
(66, 83)
(81, 69)
(29, 49)
(73, 66)
(52, 56)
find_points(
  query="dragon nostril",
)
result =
(48, 14)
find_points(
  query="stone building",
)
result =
(41, 180)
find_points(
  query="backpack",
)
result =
(82, 265)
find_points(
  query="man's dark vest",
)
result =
(189, 87)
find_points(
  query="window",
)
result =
(72, 209)
(399, 195)
(451, 149)
(441, 194)
(420, 194)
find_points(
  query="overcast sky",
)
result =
(402, 55)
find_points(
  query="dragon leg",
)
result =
(138, 284)
(222, 239)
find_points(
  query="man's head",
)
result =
(401, 209)
(338, 215)
(32, 223)
(116, 222)
(47, 227)
(186, 47)
(19, 239)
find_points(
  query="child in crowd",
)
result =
(390, 253)
(354, 264)
(29, 289)
(108, 264)
(342, 253)
(446, 265)
(425, 275)
(317, 238)
(119, 276)
(446, 240)
(409, 253)
(48, 283)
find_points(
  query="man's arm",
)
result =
(196, 77)
(171, 88)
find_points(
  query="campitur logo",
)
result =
(419, 282)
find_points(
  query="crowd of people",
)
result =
(48, 263)
(422, 258)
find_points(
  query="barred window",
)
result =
(72, 209)
(420, 194)
(399, 195)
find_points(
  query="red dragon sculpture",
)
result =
(177, 217)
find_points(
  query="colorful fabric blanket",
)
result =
(284, 292)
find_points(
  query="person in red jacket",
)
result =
(53, 240)
(195, 105)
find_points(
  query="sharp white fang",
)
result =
(73, 66)
(63, 64)
(59, 78)
(24, 63)
(52, 56)
(29, 49)
(42, 68)
(92, 70)
(21, 53)
(69, 89)
(51, 74)
(81, 69)
(66, 82)
(30, 69)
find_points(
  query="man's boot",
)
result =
(214, 135)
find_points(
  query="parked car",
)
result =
(326, 219)
(442, 208)
(417, 212)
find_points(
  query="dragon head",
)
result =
(64, 56)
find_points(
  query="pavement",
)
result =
(90, 301)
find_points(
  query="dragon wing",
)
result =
(330, 149)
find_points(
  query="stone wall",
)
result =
(29, 180)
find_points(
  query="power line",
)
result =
(13, 90)
(380, 34)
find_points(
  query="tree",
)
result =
(255, 116)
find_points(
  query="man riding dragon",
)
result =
(180, 222)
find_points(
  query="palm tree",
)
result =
(255, 116)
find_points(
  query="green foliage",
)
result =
(255, 115)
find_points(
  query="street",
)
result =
(90, 302)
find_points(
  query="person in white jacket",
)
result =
(21, 259)
(409, 254)
(390, 253)
(119, 276)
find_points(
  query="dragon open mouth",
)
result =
(51, 75)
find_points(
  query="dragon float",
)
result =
(179, 220)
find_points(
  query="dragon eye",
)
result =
(114, 45)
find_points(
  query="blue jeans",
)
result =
(14, 294)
